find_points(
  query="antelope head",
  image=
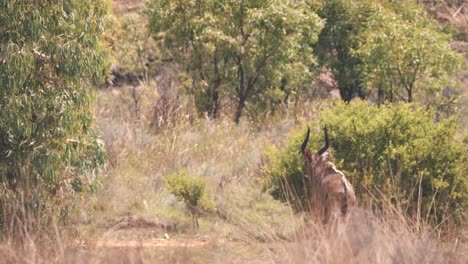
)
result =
(316, 163)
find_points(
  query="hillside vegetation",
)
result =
(169, 131)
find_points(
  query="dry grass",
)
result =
(228, 155)
(366, 238)
(455, 15)
(363, 238)
(248, 227)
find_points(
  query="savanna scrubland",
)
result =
(169, 131)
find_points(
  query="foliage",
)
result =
(50, 54)
(191, 190)
(132, 50)
(397, 151)
(392, 48)
(405, 53)
(243, 52)
(345, 22)
(284, 171)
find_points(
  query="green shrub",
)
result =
(192, 191)
(284, 170)
(395, 153)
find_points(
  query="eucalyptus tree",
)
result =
(238, 51)
(51, 53)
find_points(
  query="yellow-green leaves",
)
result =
(390, 50)
(192, 191)
(405, 53)
(237, 52)
(187, 188)
(389, 151)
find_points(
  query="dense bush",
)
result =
(191, 190)
(395, 153)
(50, 54)
(284, 170)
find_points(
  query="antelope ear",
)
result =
(308, 155)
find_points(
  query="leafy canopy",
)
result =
(405, 52)
(238, 51)
(345, 23)
(389, 49)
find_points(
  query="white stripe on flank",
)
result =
(343, 177)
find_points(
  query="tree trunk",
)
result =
(239, 109)
(215, 113)
(214, 105)
(410, 95)
(380, 96)
(391, 92)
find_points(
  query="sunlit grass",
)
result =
(248, 225)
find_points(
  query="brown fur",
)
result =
(332, 193)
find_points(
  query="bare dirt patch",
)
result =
(139, 232)
(187, 242)
(133, 222)
(120, 7)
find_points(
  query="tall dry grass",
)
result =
(367, 238)
(363, 238)
(228, 155)
(151, 132)
(248, 227)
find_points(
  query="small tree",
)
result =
(191, 190)
(238, 50)
(391, 47)
(405, 53)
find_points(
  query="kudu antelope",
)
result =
(332, 193)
